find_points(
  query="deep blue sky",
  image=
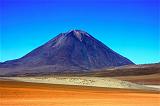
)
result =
(130, 27)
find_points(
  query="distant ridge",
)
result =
(75, 50)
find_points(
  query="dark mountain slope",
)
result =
(74, 50)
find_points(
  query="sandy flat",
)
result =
(83, 81)
(154, 86)
(13, 93)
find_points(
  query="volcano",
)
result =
(75, 50)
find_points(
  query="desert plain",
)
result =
(20, 93)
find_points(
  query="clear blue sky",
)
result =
(130, 27)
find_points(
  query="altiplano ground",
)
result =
(152, 79)
(14, 93)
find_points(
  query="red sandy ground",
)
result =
(14, 93)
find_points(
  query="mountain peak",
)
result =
(77, 30)
(73, 51)
(78, 34)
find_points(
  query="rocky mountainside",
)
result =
(74, 50)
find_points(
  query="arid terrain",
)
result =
(121, 86)
(148, 74)
(82, 81)
(14, 93)
(153, 79)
